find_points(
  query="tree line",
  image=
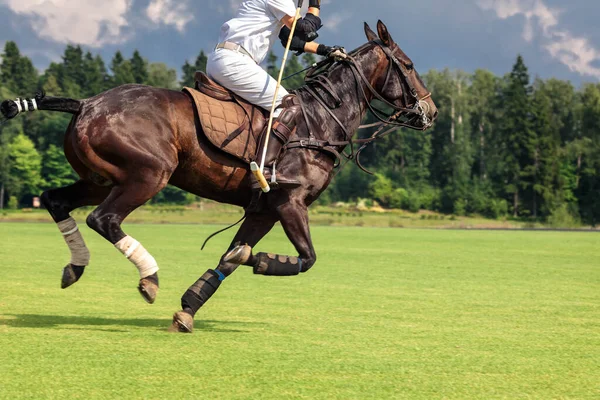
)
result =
(503, 146)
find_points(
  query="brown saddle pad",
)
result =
(230, 123)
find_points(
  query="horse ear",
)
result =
(384, 35)
(369, 32)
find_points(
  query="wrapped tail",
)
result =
(10, 109)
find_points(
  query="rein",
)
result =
(318, 77)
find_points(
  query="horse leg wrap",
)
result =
(276, 265)
(199, 293)
(138, 255)
(80, 255)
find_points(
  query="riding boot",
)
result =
(283, 128)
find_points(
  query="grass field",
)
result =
(385, 313)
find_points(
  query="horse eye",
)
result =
(410, 67)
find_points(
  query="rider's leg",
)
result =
(240, 74)
(283, 128)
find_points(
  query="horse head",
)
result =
(399, 83)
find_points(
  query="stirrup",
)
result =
(276, 182)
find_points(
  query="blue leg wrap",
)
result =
(220, 275)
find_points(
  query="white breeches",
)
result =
(240, 74)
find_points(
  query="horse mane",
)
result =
(328, 67)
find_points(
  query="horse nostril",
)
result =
(435, 114)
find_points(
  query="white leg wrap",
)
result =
(138, 255)
(80, 255)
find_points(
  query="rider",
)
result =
(244, 43)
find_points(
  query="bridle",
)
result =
(417, 112)
(413, 116)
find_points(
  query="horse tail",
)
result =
(10, 109)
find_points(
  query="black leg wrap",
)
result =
(276, 265)
(199, 293)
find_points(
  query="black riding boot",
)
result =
(283, 127)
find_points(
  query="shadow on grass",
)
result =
(161, 324)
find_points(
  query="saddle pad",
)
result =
(228, 125)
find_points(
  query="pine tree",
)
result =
(50, 80)
(516, 136)
(122, 71)
(588, 162)
(51, 86)
(452, 151)
(189, 70)
(72, 76)
(139, 68)
(546, 167)
(17, 72)
(95, 74)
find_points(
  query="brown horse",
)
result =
(128, 143)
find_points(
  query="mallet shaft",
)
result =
(258, 172)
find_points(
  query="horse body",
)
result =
(128, 143)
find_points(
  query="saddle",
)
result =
(229, 122)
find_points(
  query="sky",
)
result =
(557, 38)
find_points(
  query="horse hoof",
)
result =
(182, 323)
(240, 255)
(148, 288)
(71, 274)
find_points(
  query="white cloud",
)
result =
(170, 12)
(334, 21)
(575, 52)
(93, 23)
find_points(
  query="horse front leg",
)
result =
(294, 220)
(253, 229)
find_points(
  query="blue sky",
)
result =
(558, 39)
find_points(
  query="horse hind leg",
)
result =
(60, 203)
(107, 218)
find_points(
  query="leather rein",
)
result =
(408, 117)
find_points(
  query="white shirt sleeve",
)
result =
(282, 8)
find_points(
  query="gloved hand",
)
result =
(337, 52)
(297, 45)
(314, 4)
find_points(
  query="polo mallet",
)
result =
(256, 170)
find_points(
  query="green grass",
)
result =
(385, 313)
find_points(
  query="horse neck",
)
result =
(354, 107)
